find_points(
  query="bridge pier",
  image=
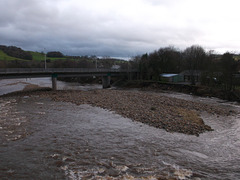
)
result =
(106, 81)
(106, 74)
(54, 82)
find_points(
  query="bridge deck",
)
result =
(60, 72)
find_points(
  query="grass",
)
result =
(4, 56)
(36, 57)
(190, 115)
(40, 57)
(53, 59)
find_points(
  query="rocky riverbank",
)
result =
(154, 109)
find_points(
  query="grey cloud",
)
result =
(39, 24)
(80, 27)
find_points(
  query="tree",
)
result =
(154, 66)
(143, 67)
(164, 60)
(170, 60)
(16, 52)
(55, 54)
(195, 57)
(228, 68)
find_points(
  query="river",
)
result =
(43, 139)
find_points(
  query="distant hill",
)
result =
(4, 56)
(37, 56)
(9, 53)
(14, 57)
(16, 52)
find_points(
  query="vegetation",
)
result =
(37, 56)
(16, 52)
(4, 56)
(215, 71)
(228, 68)
(41, 57)
(55, 54)
(56, 59)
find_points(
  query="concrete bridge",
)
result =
(13, 73)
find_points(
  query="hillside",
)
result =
(16, 52)
(4, 56)
(9, 53)
(10, 58)
(37, 56)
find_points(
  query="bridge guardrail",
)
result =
(61, 70)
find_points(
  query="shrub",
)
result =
(55, 54)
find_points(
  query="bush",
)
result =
(55, 54)
(16, 52)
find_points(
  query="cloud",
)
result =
(119, 27)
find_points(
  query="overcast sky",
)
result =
(119, 27)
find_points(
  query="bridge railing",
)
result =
(60, 70)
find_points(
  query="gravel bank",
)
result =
(171, 114)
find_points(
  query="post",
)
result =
(106, 81)
(54, 82)
(130, 76)
(45, 60)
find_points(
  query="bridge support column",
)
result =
(106, 81)
(129, 76)
(54, 82)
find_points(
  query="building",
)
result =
(115, 67)
(173, 78)
(188, 75)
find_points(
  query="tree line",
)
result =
(55, 54)
(216, 70)
(16, 52)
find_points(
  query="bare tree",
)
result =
(195, 60)
(228, 68)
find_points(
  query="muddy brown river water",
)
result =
(43, 139)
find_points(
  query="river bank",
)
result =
(198, 90)
(154, 109)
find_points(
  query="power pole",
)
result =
(45, 59)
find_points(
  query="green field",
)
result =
(4, 56)
(36, 57)
(41, 57)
